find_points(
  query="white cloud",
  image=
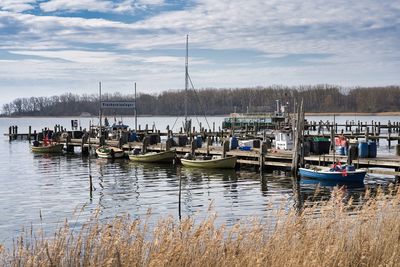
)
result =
(68, 5)
(17, 5)
(359, 41)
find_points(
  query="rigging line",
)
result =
(198, 99)
(175, 123)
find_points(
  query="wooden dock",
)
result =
(269, 160)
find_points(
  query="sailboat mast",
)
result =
(186, 78)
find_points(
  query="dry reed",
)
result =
(329, 233)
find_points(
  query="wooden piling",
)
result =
(145, 144)
(90, 186)
(29, 133)
(263, 152)
(225, 148)
(193, 146)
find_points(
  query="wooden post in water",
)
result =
(168, 144)
(263, 152)
(146, 142)
(193, 147)
(298, 140)
(367, 133)
(208, 140)
(90, 184)
(389, 134)
(29, 133)
(225, 148)
(398, 150)
(180, 196)
(10, 133)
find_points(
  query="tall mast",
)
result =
(100, 105)
(186, 78)
(135, 111)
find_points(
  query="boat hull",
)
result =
(54, 148)
(220, 163)
(153, 157)
(105, 152)
(356, 176)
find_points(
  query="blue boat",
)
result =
(345, 174)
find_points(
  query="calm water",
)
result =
(43, 190)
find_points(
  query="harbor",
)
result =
(262, 151)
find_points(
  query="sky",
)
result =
(51, 47)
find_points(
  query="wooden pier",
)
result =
(267, 159)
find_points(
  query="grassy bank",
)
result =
(331, 233)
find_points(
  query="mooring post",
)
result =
(193, 147)
(70, 148)
(146, 142)
(208, 140)
(332, 147)
(29, 133)
(225, 148)
(10, 133)
(367, 133)
(263, 152)
(90, 183)
(389, 134)
(398, 150)
(168, 144)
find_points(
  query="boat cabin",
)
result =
(284, 140)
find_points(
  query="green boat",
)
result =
(151, 157)
(50, 148)
(215, 162)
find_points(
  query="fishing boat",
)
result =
(151, 157)
(337, 173)
(214, 162)
(47, 148)
(109, 152)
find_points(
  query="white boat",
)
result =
(109, 152)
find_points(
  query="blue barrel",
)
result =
(363, 149)
(340, 150)
(133, 137)
(199, 141)
(234, 142)
(350, 168)
(372, 149)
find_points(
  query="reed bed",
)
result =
(328, 233)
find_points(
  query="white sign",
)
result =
(118, 104)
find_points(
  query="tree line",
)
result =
(211, 101)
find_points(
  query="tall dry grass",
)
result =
(331, 233)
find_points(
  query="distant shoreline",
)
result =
(392, 113)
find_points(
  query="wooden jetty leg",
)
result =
(29, 133)
(193, 146)
(225, 148)
(84, 149)
(208, 140)
(169, 143)
(263, 153)
(70, 148)
(90, 186)
(10, 133)
(398, 150)
(145, 144)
